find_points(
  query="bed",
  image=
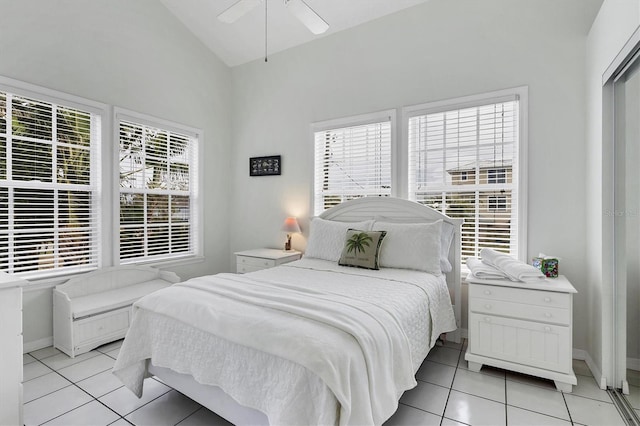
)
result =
(312, 341)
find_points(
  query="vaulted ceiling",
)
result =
(244, 40)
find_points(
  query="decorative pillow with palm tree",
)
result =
(361, 248)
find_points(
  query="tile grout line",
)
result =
(506, 402)
(50, 393)
(542, 414)
(66, 412)
(47, 394)
(52, 371)
(481, 397)
(121, 418)
(434, 384)
(451, 385)
(563, 399)
(190, 414)
(93, 397)
(76, 385)
(438, 385)
(592, 399)
(143, 405)
(102, 403)
(567, 405)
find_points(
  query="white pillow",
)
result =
(446, 238)
(445, 244)
(326, 237)
(411, 246)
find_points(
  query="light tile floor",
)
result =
(59, 390)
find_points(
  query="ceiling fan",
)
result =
(298, 8)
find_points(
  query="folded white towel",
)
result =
(513, 268)
(483, 271)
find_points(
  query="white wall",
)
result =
(131, 54)
(614, 24)
(441, 49)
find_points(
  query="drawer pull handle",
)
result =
(487, 306)
(487, 292)
(547, 329)
(487, 319)
(547, 299)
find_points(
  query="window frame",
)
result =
(101, 110)
(389, 115)
(400, 146)
(196, 177)
(522, 93)
(107, 189)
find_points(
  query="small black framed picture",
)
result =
(265, 166)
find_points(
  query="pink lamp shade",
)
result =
(290, 226)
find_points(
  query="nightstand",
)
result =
(523, 327)
(255, 260)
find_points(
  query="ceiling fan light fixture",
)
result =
(237, 10)
(307, 16)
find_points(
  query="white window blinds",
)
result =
(158, 177)
(49, 187)
(464, 162)
(352, 162)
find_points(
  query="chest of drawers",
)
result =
(524, 327)
(11, 349)
(257, 259)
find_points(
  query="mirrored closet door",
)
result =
(627, 231)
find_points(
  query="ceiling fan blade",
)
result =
(237, 10)
(307, 16)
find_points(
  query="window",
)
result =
(464, 160)
(49, 185)
(497, 202)
(159, 214)
(352, 159)
(55, 208)
(497, 176)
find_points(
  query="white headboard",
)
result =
(399, 210)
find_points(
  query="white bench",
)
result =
(95, 308)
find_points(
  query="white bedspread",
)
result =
(338, 334)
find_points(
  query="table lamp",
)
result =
(290, 226)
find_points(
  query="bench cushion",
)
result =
(114, 299)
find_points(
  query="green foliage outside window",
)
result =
(45, 169)
(154, 197)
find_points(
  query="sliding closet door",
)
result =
(627, 223)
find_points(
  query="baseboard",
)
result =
(37, 344)
(633, 363)
(583, 355)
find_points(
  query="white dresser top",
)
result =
(560, 284)
(8, 281)
(266, 253)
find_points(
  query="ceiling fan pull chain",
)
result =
(298, 8)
